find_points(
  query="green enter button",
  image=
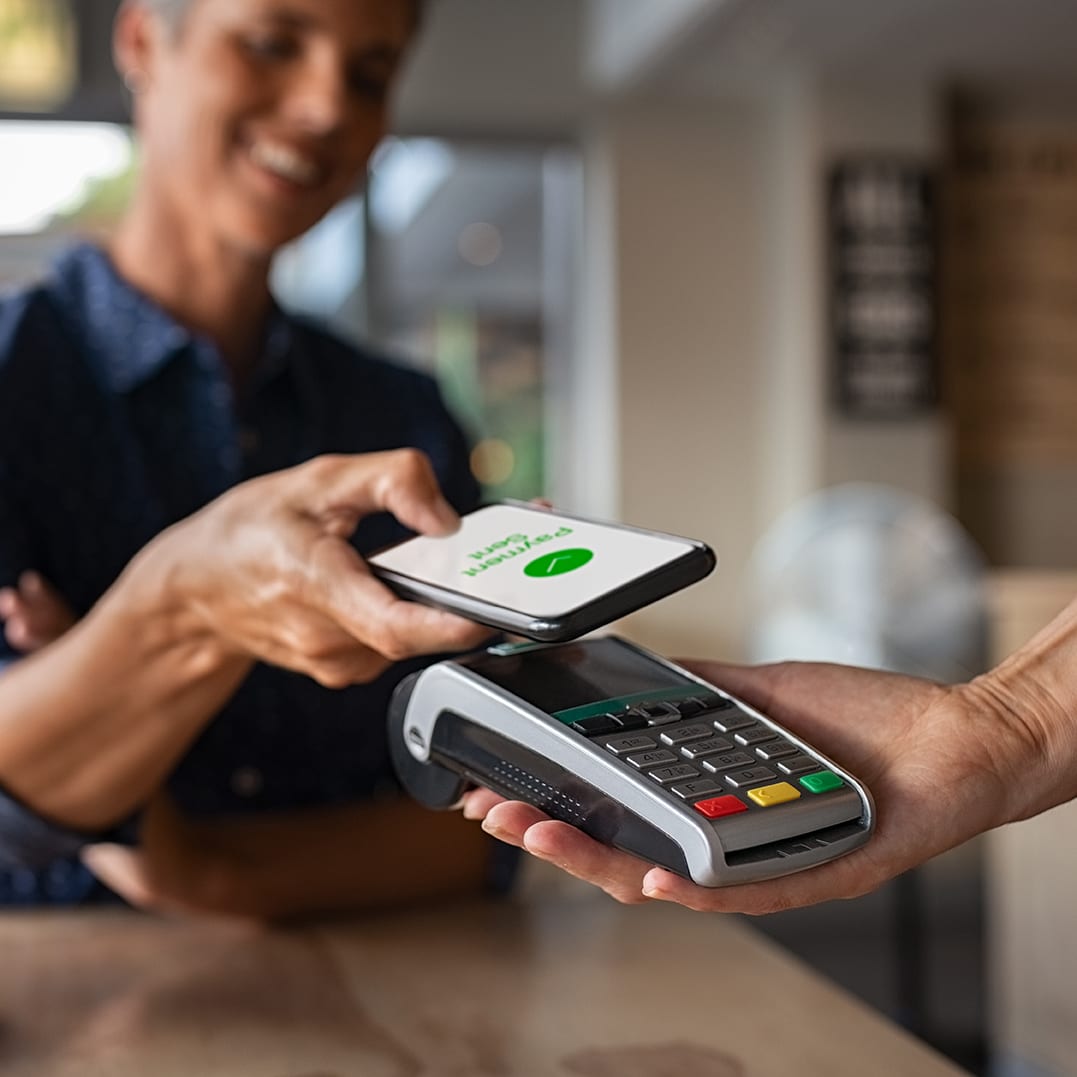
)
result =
(822, 782)
(557, 564)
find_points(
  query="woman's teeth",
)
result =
(286, 163)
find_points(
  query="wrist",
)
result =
(1031, 735)
(155, 604)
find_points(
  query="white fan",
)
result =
(870, 575)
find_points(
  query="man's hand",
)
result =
(935, 758)
(34, 613)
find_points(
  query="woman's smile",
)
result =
(290, 168)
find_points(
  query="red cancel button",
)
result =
(719, 806)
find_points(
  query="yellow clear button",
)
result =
(767, 796)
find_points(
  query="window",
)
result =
(459, 260)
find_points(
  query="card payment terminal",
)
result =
(633, 750)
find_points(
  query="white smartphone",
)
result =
(541, 574)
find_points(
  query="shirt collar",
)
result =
(130, 337)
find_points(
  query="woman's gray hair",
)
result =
(172, 11)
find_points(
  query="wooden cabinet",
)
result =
(1009, 329)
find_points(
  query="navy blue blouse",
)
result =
(115, 422)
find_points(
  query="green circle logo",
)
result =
(557, 564)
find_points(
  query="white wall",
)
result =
(709, 276)
(683, 186)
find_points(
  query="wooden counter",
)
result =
(575, 986)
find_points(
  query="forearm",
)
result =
(1034, 692)
(326, 860)
(92, 724)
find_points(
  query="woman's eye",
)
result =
(271, 46)
(371, 87)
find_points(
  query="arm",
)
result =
(944, 763)
(90, 725)
(284, 865)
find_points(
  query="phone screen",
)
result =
(531, 560)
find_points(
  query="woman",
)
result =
(196, 707)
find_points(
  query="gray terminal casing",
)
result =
(451, 727)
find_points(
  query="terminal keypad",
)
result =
(709, 753)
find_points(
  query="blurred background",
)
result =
(796, 277)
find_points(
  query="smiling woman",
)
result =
(166, 533)
(260, 115)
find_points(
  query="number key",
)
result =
(776, 749)
(679, 773)
(754, 735)
(698, 749)
(798, 764)
(652, 759)
(749, 776)
(683, 733)
(728, 759)
(726, 723)
(624, 745)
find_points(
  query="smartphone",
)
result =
(544, 575)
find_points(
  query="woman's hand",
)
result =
(33, 613)
(267, 571)
(938, 761)
(264, 572)
(280, 865)
(169, 871)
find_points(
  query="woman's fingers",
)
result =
(476, 803)
(34, 613)
(335, 488)
(618, 873)
(364, 607)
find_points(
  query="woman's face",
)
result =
(257, 116)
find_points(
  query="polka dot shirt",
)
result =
(115, 422)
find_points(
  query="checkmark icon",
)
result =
(558, 563)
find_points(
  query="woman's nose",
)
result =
(317, 98)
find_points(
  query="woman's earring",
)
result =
(134, 81)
